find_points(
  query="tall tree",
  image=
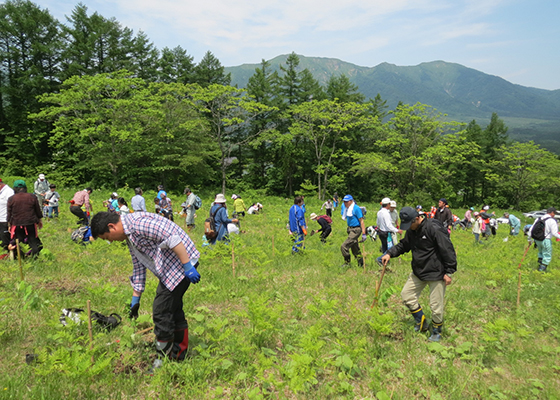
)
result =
(228, 113)
(175, 65)
(30, 43)
(339, 87)
(210, 71)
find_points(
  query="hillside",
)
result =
(462, 93)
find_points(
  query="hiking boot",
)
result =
(346, 263)
(436, 332)
(542, 267)
(420, 319)
(360, 262)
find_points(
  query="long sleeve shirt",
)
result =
(138, 203)
(297, 219)
(151, 239)
(81, 198)
(384, 222)
(550, 228)
(5, 193)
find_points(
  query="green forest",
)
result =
(89, 102)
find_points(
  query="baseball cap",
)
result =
(443, 200)
(393, 203)
(19, 183)
(313, 216)
(41, 176)
(407, 215)
(385, 200)
(486, 207)
(115, 194)
(233, 196)
(348, 197)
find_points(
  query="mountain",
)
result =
(460, 92)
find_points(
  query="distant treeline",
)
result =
(91, 103)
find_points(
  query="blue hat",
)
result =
(443, 200)
(348, 197)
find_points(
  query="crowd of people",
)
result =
(158, 244)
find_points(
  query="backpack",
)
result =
(537, 232)
(364, 211)
(79, 234)
(197, 202)
(327, 218)
(210, 226)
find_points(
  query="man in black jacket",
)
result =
(433, 262)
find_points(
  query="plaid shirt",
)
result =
(151, 239)
(82, 198)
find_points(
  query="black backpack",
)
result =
(537, 232)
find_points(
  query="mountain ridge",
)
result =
(462, 93)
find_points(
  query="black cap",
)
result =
(407, 215)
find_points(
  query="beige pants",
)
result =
(412, 290)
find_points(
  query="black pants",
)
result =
(168, 311)
(326, 232)
(78, 212)
(28, 234)
(4, 235)
(383, 236)
(329, 212)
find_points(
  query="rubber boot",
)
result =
(167, 349)
(542, 267)
(346, 263)
(420, 318)
(539, 262)
(182, 339)
(436, 332)
(361, 262)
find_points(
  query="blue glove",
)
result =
(364, 237)
(191, 273)
(134, 307)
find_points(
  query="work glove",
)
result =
(191, 273)
(364, 237)
(304, 230)
(134, 307)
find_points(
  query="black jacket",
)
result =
(445, 216)
(433, 254)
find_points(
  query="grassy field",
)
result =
(280, 326)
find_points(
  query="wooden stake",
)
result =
(144, 331)
(233, 259)
(364, 255)
(19, 260)
(519, 280)
(90, 329)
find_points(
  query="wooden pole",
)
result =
(519, 279)
(90, 329)
(19, 259)
(378, 286)
(233, 259)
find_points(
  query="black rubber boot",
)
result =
(420, 318)
(361, 261)
(436, 332)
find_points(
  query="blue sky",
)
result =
(518, 40)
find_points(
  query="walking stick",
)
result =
(519, 280)
(19, 260)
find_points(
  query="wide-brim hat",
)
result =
(313, 216)
(220, 198)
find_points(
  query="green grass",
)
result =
(282, 326)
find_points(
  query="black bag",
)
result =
(537, 232)
(106, 322)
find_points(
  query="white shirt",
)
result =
(5, 193)
(384, 222)
(550, 227)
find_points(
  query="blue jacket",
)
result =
(297, 219)
(221, 219)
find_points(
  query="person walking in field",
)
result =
(352, 214)
(542, 231)
(189, 207)
(298, 227)
(477, 227)
(434, 261)
(157, 244)
(41, 187)
(328, 205)
(325, 222)
(52, 197)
